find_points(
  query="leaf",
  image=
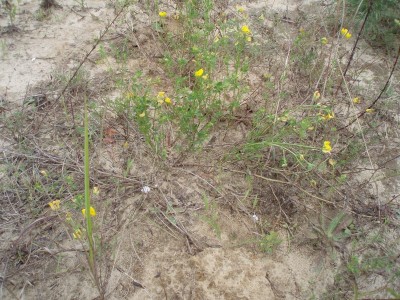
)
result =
(334, 224)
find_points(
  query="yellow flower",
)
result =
(240, 8)
(168, 100)
(160, 97)
(142, 114)
(356, 100)
(327, 147)
(68, 217)
(199, 73)
(324, 41)
(345, 32)
(245, 29)
(205, 77)
(125, 145)
(162, 14)
(44, 173)
(77, 234)
(317, 95)
(369, 110)
(248, 38)
(301, 157)
(92, 212)
(55, 205)
(328, 116)
(96, 190)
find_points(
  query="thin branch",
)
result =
(380, 94)
(355, 46)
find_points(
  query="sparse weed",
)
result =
(269, 242)
(211, 215)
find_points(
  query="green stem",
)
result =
(88, 218)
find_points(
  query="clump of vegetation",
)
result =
(382, 28)
(220, 75)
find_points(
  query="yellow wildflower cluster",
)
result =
(77, 234)
(324, 41)
(92, 212)
(327, 148)
(55, 205)
(245, 29)
(247, 32)
(240, 9)
(345, 32)
(161, 98)
(356, 100)
(200, 73)
(328, 116)
(162, 14)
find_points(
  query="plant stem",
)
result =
(87, 190)
(380, 94)
(354, 47)
(88, 218)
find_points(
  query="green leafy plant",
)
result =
(337, 229)
(269, 242)
(204, 68)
